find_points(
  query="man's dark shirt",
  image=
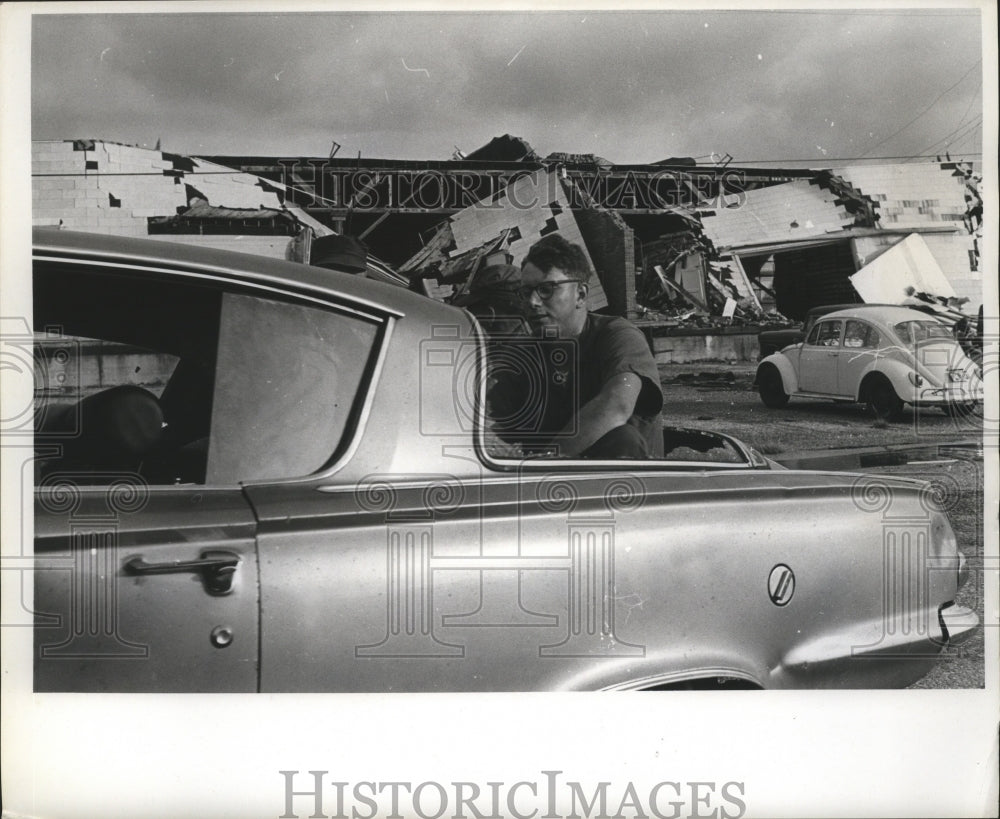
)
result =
(608, 346)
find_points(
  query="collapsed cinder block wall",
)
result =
(927, 195)
(611, 245)
(531, 206)
(105, 187)
(100, 187)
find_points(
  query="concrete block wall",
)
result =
(768, 215)
(535, 204)
(112, 188)
(911, 194)
(952, 252)
(924, 194)
(728, 347)
(611, 245)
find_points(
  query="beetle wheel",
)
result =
(883, 403)
(771, 389)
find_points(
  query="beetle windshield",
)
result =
(913, 332)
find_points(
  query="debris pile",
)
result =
(761, 255)
(674, 243)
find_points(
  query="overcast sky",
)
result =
(628, 86)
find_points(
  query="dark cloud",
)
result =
(631, 86)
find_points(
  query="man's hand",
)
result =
(610, 408)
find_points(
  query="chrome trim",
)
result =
(213, 275)
(385, 318)
(683, 677)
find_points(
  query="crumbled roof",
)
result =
(913, 195)
(504, 148)
(578, 159)
(793, 210)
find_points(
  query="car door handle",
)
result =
(217, 569)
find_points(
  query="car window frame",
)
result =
(623, 466)
(927, 320)
(869, 330)
(227, 280)
(818, 328)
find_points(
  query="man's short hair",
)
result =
(555, 251)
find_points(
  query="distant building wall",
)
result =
(954, 253)
(706, 346)
(536, 205)
(921, 194)
(611, 245)
(104, 187)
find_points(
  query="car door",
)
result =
(410, 566)
(408, 582)
(297, 394)
(145, 589)
(818, 358)
(859, 350)
(145, 572)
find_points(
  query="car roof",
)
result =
(251, 267)
(886, 313)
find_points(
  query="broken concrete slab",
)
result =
(906, 267)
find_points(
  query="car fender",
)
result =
(789, 377)
(892, 370)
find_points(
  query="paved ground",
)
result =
(721, 397)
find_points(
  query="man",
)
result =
(611, 406)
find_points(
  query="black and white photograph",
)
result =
(499, 411)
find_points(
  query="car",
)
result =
(771, 341)
(882, 356)
(253, 475)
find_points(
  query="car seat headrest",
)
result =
(115, 427)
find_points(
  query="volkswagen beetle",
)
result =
(881, 356)
(258, 476)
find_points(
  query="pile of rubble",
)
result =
(759, 256)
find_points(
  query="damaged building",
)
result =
(97, 186)
(502, 229)
(706, 252)
(801, 243)
(106, 187)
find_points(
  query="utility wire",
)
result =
(961, 122)
(973, 133)
(860, 12)
(927, 153)
(928, 108)
(829, 159)
(969, 126)
(863, 12)
(961, 132)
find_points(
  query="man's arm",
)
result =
(610, 408)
